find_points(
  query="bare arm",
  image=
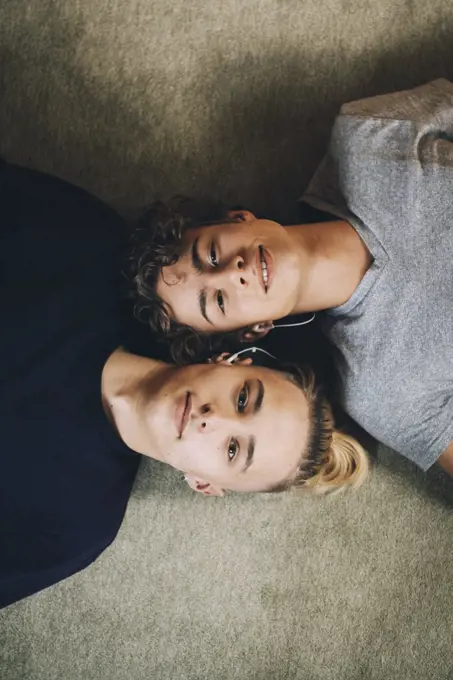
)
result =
(446, 460)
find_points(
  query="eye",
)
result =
(243, 398)
(233, 449)
(220, 301)
(213, 256)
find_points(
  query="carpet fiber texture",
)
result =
(138, 99)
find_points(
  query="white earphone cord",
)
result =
(291, 325)
(254, 349)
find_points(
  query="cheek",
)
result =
(201, 456)
(249, 309)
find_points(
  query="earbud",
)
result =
(263, 326)
(267, 326)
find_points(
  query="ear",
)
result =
(201, 486)
(256, 332)
(241, 215)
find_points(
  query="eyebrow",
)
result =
(252, 441)
(250, 452)
(198, 266)
(259, 397)
(202, 304)
(196, 259)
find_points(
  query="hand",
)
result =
(223, 358)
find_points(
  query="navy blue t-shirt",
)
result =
(65, 476)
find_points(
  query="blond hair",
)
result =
(333, 460)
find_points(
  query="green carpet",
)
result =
(137, 99)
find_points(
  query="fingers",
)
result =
(223, 358)
(217, 359)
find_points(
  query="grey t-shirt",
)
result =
(389, 172)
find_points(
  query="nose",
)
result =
(207, 420)
(236, 272)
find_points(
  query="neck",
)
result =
(333, 259)
(127, 379)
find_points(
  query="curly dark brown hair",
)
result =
(156, 242)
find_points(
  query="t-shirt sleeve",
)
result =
(425, 427)
(414, 417)
(426, 103)
(372, 138)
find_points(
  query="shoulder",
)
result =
(53, 228)
(30, 199)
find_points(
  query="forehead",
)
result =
(214, 228)
(178, 285)
(181, 286)
(281, 430)
(182, 269)
(285, 411)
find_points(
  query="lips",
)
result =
(264, 268)
(182, 413)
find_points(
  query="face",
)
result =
(232, 275)
(241, 428)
